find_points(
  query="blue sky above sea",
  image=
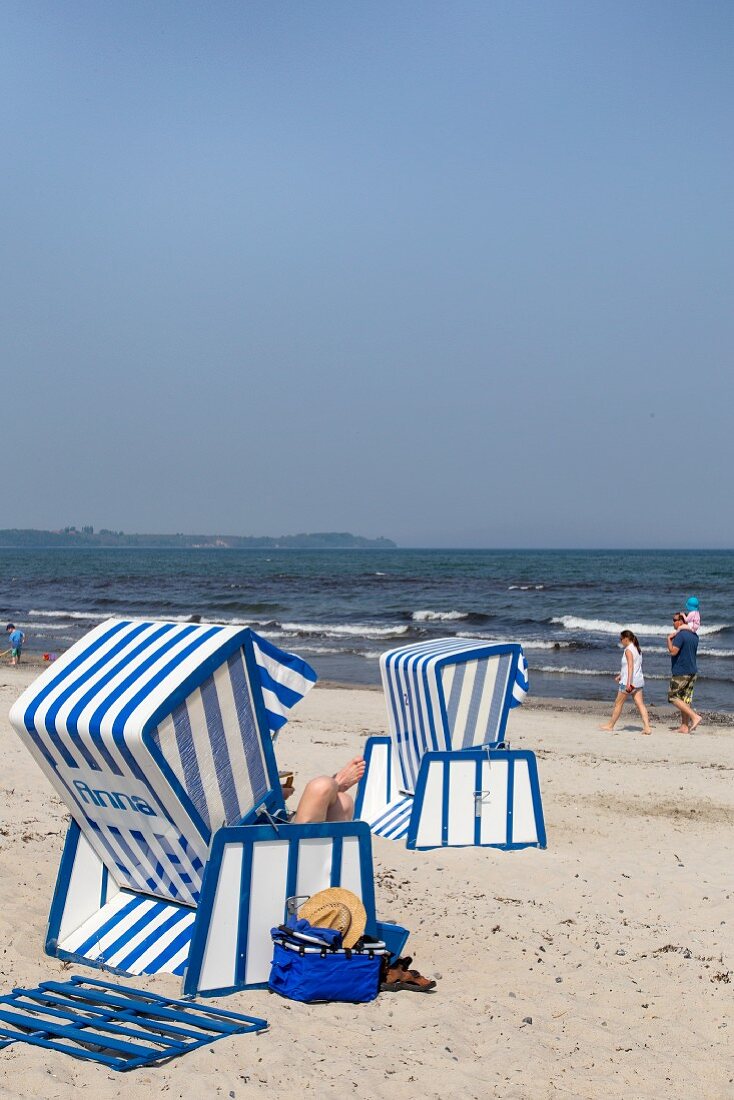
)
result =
(459, 275)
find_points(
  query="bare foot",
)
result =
(647, 732)
(350, 774)
(696, 724)
(681, 729)
(607, 727)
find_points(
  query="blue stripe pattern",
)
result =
(499, 700)
(220, 753)
(112, 722)
(248, 730)
(107, 925)
(393, 822)
(422, 719)
(125, 949)
(521, 687)
(187, 754)
(284, 678)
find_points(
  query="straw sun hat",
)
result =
(336, 908)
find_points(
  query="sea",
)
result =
(340, 609)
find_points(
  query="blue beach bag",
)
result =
(310, 969)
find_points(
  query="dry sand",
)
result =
(617, 941)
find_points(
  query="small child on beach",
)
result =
(693, 618)
(16, 639)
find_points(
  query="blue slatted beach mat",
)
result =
(121, 1027)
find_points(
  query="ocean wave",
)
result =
(324, 650)
(89, 615)
(535, 644)
(274, 635)
(254, 624)
(49, 628)
(337, 630)
(702, 651)
(243, 607)
(603, 626)
(566, 670)
(438, 616)
(310, 649)
(525, 587)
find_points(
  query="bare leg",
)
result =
(317, 799)
(325, 798)
(690, 719)
(640, 704)
(618, 704)
(342, 809)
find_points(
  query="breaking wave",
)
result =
(568, 671)
(88, 615)
(438, 616)
(535, 644)
(337, 630)
(603, 626)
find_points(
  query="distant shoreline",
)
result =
(88, 539)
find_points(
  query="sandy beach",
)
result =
(600, 967)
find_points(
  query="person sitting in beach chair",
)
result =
(179, 858)
(326, 797)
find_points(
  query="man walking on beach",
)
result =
(682, 647)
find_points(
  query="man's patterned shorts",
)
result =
(681, 687)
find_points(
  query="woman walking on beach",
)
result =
(630, 680)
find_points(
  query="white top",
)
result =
(638, 680)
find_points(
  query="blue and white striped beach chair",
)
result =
(445, 777)
(158, 738)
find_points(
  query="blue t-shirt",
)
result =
(684, 662)
(16, 639)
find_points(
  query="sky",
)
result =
(456, 273)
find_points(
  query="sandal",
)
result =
(400, 977)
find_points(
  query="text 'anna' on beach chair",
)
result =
(446, 777)
(158, 738)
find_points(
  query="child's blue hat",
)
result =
(692, 604)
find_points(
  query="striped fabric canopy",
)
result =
(449, 693)
(155, 734)
(284, 680)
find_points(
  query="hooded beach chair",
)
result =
(445, 777)
(178, 858)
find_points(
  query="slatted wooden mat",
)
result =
(119, 1026)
